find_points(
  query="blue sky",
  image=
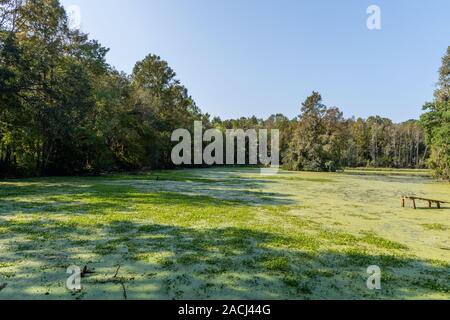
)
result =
(259, 57)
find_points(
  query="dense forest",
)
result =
(320, 139)
(65, 111)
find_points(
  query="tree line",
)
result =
(321, 139)
(65, 111)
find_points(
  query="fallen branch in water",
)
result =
(124, 291)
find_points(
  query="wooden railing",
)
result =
(430, 201)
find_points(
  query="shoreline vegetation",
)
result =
(65, 111)
(146, 172)
(390, 171)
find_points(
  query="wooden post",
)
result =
(439, 205)
(429, 204)
(414, 202)
(403, 202)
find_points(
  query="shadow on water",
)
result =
(54, 196)
(172, 262)
(163, 261)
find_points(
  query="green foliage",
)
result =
(48, 73)
(317, 140)
(322, 140)
(436, 122)
(437, 125)
(65, 111)
(163, 105)
(443, 92)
